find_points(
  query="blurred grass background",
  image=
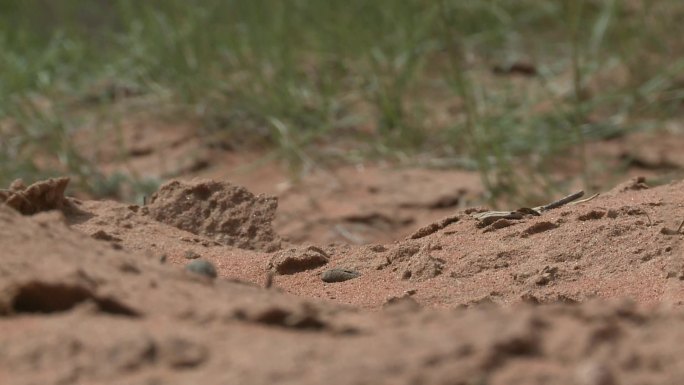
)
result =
(489, 85)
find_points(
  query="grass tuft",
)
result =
(399, 78)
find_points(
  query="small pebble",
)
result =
(339, 275)
(669, 231)
(202, 267)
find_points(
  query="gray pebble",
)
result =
(202, 267)
(339, 275)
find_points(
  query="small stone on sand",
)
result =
(202, 267)
(339, 275)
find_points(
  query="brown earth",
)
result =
(366, 274)
(96, 293)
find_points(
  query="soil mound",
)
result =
(74, 310)
(102, 294)
(627, 242)
(222, 211)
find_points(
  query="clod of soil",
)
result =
(339, 275)
(423, 266)
(182, 353)
(434, 227)
(404, 302)
(104, 236)
(303, 317)
(295, 260)
(499, 224)
(222, 211)
(591, 215)
(40, 196)
(539, 227)
(637, 183)
(547, 275)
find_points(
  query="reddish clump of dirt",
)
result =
(589, 293)
(40, 196)
(227, 213)
(294, 261)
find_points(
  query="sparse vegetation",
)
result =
(398, 78)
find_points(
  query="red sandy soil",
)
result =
(95, 292)
(98, 292)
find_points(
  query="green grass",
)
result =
(398, 78)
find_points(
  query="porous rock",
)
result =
(224, 212)
(40, 196)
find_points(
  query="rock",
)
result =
(294, 261)
(339, 275)
(224, 212)
(40, 196)
(202, 267)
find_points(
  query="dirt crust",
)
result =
(222, 211)
(40, 196)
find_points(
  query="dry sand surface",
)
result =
(100, 292)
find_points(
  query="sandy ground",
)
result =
(234, 273)
(101, 292)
